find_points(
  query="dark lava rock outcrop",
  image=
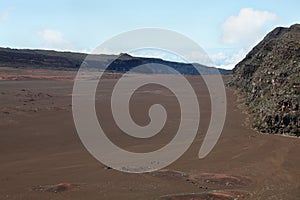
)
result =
(270, 77)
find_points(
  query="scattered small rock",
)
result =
(107, 168)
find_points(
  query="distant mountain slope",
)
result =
(43, 58)
(270, 76)
(121, 63)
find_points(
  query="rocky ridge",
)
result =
(49, 59)
(269, 76)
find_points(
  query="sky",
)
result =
(226, 30)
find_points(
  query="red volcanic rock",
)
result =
(61, 187)
(214, 195)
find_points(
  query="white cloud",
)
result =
(189, 56)
(247, 28)
(236, 57)
(85, 50)
(156, 53)
(198, 57)
(218, 56)
(54, 39)
(228, 60)
(4, 16)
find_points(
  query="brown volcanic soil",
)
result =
(41, 156)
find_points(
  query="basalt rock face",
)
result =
(270, 77)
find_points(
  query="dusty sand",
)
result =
(41, 156)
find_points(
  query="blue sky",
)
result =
(226, 30)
